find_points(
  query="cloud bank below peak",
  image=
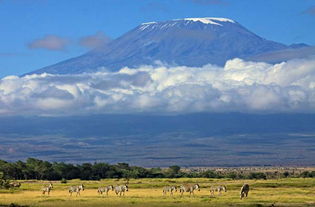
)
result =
(239, 86)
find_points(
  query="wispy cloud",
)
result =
(49, 42)
(240, 86)
(310, 11)
(94, 41)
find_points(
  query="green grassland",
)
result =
(148, 192)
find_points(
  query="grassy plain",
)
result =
(148, 192)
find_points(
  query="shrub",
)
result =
(63, 180)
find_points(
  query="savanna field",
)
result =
(148, 192)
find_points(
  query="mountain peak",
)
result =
(189, 41)
(209, 20)
(204, 20)
(216, 21)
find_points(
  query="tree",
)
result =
(4, 183)
(86, 171)
(173, 171)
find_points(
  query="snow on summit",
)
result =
(209, 20)
(205, 20)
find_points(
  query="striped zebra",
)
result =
(221, 188)
(244, 191)
(212, 190)
(102, 190)
(15, 185)
(76, 189)
(47, 189)
(170, 189)
(121, 189)
(189, 188)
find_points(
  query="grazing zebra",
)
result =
(15, 185)
(170, 189)
(189, 188)
(76, 189)
(121, 189)
(221, 188)
(244, 191)
(47, 189)
(212, 190)
(102, 190)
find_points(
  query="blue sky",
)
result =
(37, 33)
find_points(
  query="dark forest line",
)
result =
(43, 170)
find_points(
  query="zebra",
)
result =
(121, 189)
(15, 185)
(189, 188)
(47, 189)
(212, 190)
(170, 189)
(76, 189)
(244, 191)
(102, 190)
(221, 188)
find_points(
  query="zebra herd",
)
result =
(182, 189)
(72, 189)
(191, 188)
(121, 189)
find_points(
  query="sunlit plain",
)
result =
(148, 192)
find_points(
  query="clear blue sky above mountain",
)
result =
(37, 33)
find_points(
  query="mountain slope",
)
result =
(190, 42)
(284, 55)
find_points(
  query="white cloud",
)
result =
(240, 86)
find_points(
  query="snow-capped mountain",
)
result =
(189, 41)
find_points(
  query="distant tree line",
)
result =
(44, 170)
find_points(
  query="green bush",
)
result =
(63, 180)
